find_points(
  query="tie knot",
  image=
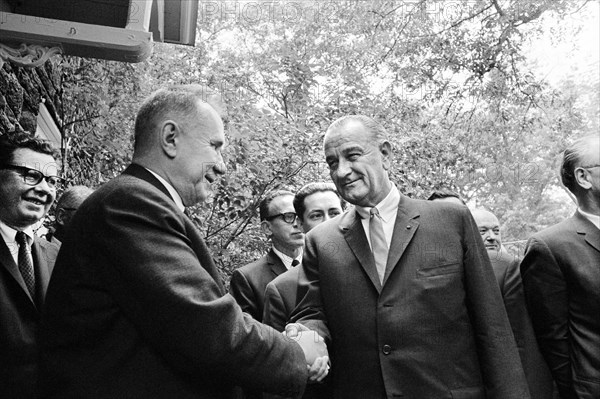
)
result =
(295, 263)
(374, 212)
(21, 238)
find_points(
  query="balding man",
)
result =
(561, 277)
(402, 287)
(67, 204)
(506, 269)
(136, 307)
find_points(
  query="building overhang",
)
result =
(120, 30)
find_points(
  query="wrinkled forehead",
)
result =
(349, 135)
(485, 219)
(45, 163)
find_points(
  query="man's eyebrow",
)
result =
(352, 148)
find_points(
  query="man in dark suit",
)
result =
(279, 223)
(561, 278)
(66, 205)
(28, 184)
(506, 269)
(135, 307)
(403, 289)
(314, 204)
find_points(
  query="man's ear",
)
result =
(386, 152)
(582, 177)
(265, 227)
(169, 133)
(60, 217)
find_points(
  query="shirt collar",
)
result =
(287, 260)
(387, 207)
(170, 189)
(595, 219)
(9, 234)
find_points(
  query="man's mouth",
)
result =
(35, 201)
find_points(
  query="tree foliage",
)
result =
(450, 81)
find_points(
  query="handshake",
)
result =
(315, 350)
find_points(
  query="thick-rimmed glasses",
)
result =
(288, 217)
(33, 177)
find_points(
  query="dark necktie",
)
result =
(25, 263)
(295, 263)
(378, 244)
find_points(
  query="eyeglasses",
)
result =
(590, 166)
(288, 217)
(34, 177)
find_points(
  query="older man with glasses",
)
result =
(28, 183)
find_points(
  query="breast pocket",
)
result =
(440, 270)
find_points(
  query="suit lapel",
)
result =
(276, 265)
(43, 259)
(13, 269)
(354, 233)
(586, 228)
(407, 223)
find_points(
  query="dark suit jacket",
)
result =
(135, 308)
(561, 277)
(506, 269)
(20, 318)
(436, 328)
(281, 299)
(248, 283)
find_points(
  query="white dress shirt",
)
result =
(9, 235)
(388, 209)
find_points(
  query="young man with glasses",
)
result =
(561, 279)
(280, 224)
(28, 183)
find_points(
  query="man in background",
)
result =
(314, 204)
(28, 183)
(446, 195)
(561, 278)
(136, 307)
(506, 269)
(280, 223)
(67, 204)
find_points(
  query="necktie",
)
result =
(378, 243)
(25, 262)
(295, 263)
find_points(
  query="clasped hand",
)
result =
(315, 350)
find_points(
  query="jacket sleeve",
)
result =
(309, 308)
(242, 292)
(501, 367)
(275, 313)
(547, 301)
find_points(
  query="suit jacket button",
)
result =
(386, 349)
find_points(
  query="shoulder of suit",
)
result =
(257, 264)
(556, 231)
(289, 276)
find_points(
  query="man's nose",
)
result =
(220, 167)
(343, 168)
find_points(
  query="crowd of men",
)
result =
(391, 297)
